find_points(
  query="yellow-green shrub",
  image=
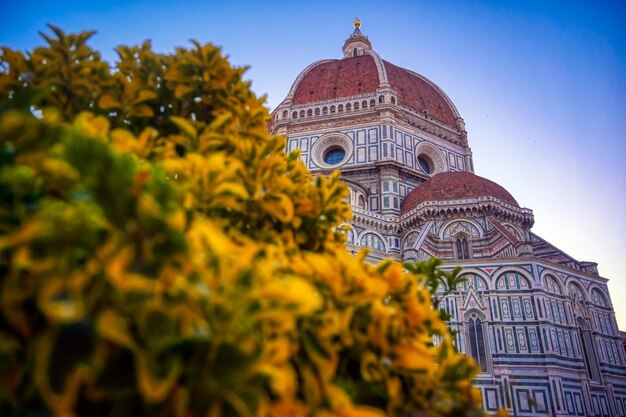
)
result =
(161, 255)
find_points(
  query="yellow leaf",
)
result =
(375, 287)
(279, 206)
(172, 73)
(338, 398)
(145, 95)
(122, 139)
(221, 120)
(93, 125)
(232, 188)
(26, 233)
(287, 407)
(107, 102)
(282, 379)
(181, 90)
(143, 111)
(148, 206)
(177, 220)
(185, 125)
(144, 140)
(293, 292)
(113, 327)
(116, 272)
(154, 389)
(360, 411)
(370, 367)
(410, 357)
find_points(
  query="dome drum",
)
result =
(333, 107)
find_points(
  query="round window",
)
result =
(424, 163)
(335, 155)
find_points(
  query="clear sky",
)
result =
(541, 84)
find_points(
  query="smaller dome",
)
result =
(454, 186)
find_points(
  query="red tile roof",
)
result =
(339, 78)
(419, 94)
(359, 75)
(455, 185)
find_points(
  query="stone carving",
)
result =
(409, 241)
(439, 160)
(461, 227)
(327, 141)
(410, 255)
(524, 249)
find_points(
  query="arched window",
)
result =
(285, 114)
(301, 113)
(364, 104)
(372, 103)
(476, 341)
(462, 248)
(332, 109)
(598, 298)
(576, 292)
(361, 201)
(324, 110)
(473, 281)
(356, 105)
(340, 108)
(512, 281)
(371, 240)
(348, 107)
(381, 99)
(393, 100)
(588, 349)
(552, 286)
(317, 111)
(349, 235)
(354, 52)
(295, 115)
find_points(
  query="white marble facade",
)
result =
(539, 323)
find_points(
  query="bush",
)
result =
(161, 255)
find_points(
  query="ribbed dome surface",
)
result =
(419, 94)
(455, 185)
(339, 78)
(359, 75)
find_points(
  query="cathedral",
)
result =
(539, 323)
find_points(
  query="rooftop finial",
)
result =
(357, 43)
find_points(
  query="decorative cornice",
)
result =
(403, 115)
(319, 125)
(477, 206)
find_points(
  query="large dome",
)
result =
(454, 186)
(363, 72)
(350, 76)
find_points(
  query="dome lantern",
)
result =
(357, 43)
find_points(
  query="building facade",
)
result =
(539, 323)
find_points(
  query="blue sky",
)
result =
(541, 84)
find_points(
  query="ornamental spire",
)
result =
(357, 43)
